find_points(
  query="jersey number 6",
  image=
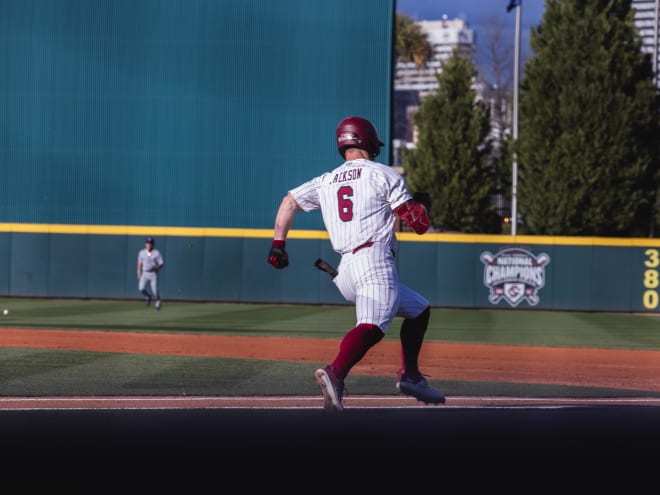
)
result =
(344, 204)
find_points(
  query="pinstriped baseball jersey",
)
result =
(357, 200)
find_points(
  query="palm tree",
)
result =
(412, 43)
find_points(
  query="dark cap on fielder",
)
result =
(150, 240)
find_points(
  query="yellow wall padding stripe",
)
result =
(42, 228)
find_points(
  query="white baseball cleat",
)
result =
(332, 389)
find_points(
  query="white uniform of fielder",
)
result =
(149, 262)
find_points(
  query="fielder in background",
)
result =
(359, 202)
(149, 263)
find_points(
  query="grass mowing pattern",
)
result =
(26, 372)
(487, 326)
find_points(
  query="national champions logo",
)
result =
(514, 274)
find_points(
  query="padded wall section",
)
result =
(581, 277)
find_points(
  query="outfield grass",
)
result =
(39, 372)
(490, 326)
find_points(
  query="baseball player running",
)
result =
(359, 202)
(149, 263)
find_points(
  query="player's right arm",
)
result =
(412, 209)
(286, 214)
(415, 214)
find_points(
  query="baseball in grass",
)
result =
(5, 312)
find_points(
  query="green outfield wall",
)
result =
(229, 265)
(178, 112)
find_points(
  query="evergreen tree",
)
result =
(450, 160)
(588, 136)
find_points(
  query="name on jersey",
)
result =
(346, 175)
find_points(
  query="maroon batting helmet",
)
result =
(357, 132)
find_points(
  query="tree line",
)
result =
(588, 134)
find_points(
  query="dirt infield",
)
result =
(616, 369)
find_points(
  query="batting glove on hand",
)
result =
(277, 256)
(423, 198)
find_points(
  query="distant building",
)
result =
(648, 23)
(412, 83)
(445, 35)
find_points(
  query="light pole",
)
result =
(514, 165)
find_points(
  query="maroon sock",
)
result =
(412, 336)
(354, 346)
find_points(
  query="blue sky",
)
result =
(478, 13)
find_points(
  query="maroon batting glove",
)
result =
(277, 256)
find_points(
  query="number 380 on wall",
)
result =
(652, 262)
